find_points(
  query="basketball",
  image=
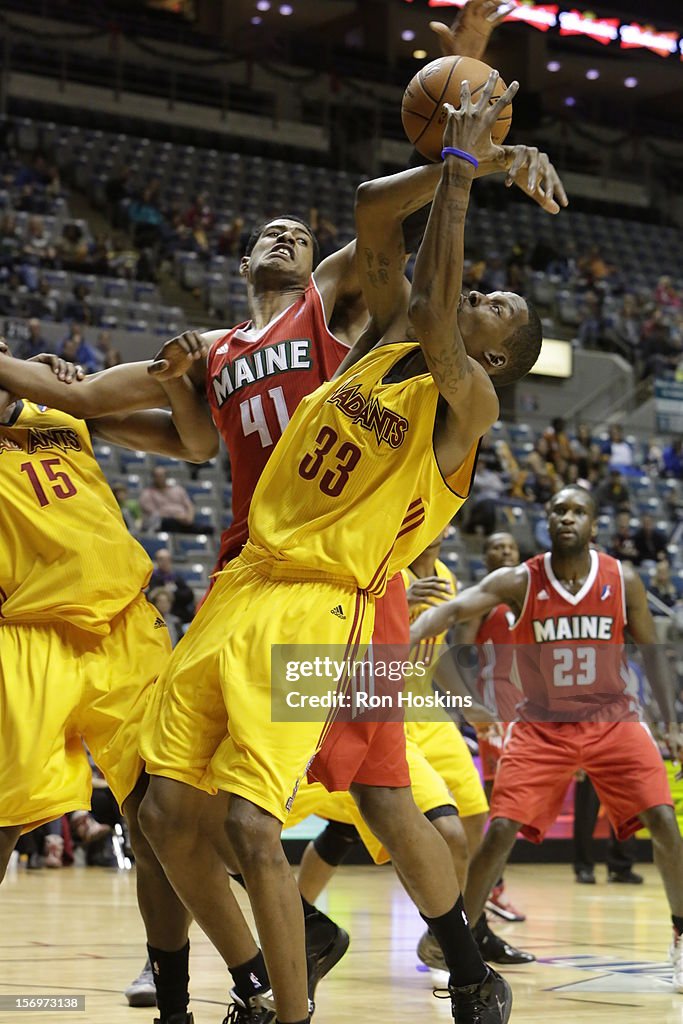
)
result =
(438, 83)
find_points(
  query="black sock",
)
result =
(677, 923)
(321, 931)
(251, 978)
(452, 932)
(171, 979)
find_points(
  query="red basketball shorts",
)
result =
(539, 761)
(371, 753)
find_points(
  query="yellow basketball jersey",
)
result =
(425, 649)
(353, 488)
(66, 553)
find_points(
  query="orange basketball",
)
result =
(437, 83)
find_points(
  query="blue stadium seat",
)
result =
(133, 460)
(188, 545)
(200, 490)
(153, 542)
(194, 575)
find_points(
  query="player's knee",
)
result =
(384, 809)
(160, 823)
(449, 826)
(501, 832)
(335, 842)
(662, 824)
(253, 834)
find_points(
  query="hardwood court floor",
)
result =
(77, 931)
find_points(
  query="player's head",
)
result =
(282, 252)
(500, 551)
(502, 331)
(572, 513)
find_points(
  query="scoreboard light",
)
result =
(541, 16)
(663, 43)
(603, 30)
(556, 359)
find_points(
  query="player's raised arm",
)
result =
(470, 31)
(641, 626)
(504, 586)
(437, 279)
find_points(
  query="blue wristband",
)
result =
(452, 151)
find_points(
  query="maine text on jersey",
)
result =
(265, 362)
(42, 439)
(385, 424)
(573, 627)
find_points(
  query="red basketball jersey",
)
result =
(569, 655)
(495, 642)
(255, 380)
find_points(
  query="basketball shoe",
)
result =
(326, 944)
(141, 991)
(493, 949)
(176, 1018)
(489, 1002)
(676, 956)
(258, 1010)
(498, 904)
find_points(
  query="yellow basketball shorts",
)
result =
(209, 721)
(60, 687)
(442, 745)
(428, 788)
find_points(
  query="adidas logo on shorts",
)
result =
(338, 611)
(159, 623)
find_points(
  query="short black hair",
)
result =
(258, 231)
(523, 347)
(580, 489)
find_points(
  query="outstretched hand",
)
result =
(62, 368)
(469, 34)
(533, 172)
(469, 127)
(176, 356)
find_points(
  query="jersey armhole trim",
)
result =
(333, 336)
(623, 590)
(519, 618)
(16, 413)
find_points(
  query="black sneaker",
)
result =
(489, 1002)
(495, 950)
(585, 876)
(176, 1018)
(256, 1012)
(627, 877)
(324, 948)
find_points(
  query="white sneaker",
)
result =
(142, 991)
(676, 955)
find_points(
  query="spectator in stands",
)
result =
(117, 189)
(79, 308)
(162, 599)
(613, 495)
(666, 295)
(326, 232)
(164, 577)
(167, 506)
(10, 238)
(487, 490)
(672, 457)
(44, 302)
(542, 486)
(618, 450)
(662, 585)
(559, 448)
(35, 343)
(660, 349)
(75, 349)
(590, 330)
(38, 243)
(649, 541)
(130, 507)
(72, 247)
(231, 239)
(625, 329)
(622, 545)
